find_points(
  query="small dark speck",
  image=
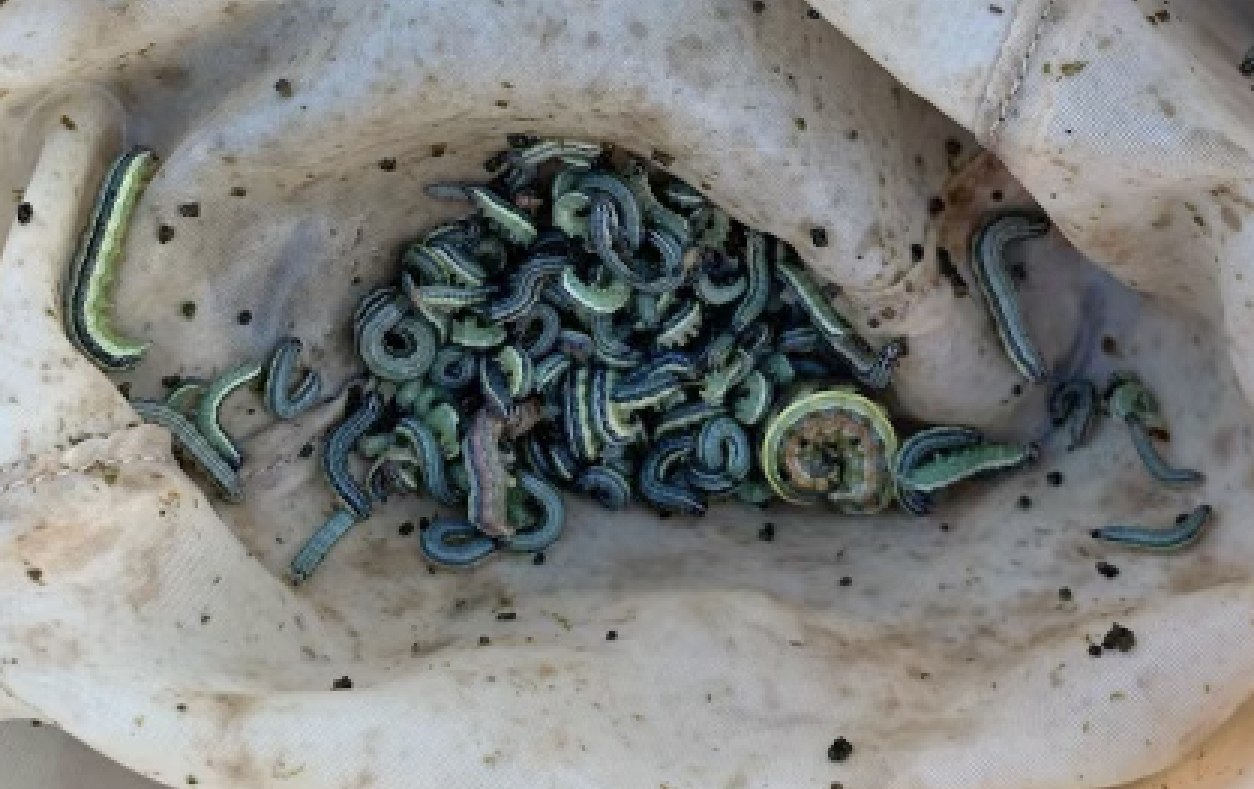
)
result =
(25, 213)
(502, 103)
(36, 724)
(813, 14)
(1162, 16)
(1065, 595)
(1107, 569)
(945, 265)
(1054, 478)
(996, 196)
(165, 234)
(1017, 390)
(611, 635)
(189, 210)
(306, 451)
(873, 322)
(840, 750)
(944, 527)
(192, 781)
(438, 149)
(424, 523)
(538, 559)
(758, 6)
(284, 87)
(68, 122)
(800, 123)
(170, 381)
(238, 191)
(1025, 503)
(1109, 346)
(662, 157)
(995, 9)
(484, 641)
(406, 529)
(343, 683)
(496, 161)
(244, 318)
(1095, 650)
(846, 581)
(916, 252)
(35, 574)
(818, 236)
(181, 707)
(1120, 638)
(935, 206)
(664, 514)
(387, 165)
(767, 532)
(204, 619)
(506, 616)
(355, 281)
(852, 134)
(952, 147)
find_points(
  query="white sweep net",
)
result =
(149, 620)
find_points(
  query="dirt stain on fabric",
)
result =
(1222, 445)
(1230, 217)
(53, 648)
(174, 77)
(552, 29)
(70, 546)
(688, 59)
(144, 576)
(242, 769)
(231, 708)
(1205, 573)
(364, 780)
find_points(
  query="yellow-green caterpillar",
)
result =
(85, 295)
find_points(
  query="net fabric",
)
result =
(948, 659)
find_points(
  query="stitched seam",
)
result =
(66, 470)
(73, 441)
(1003, 108)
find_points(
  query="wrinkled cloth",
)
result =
(148, 620)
